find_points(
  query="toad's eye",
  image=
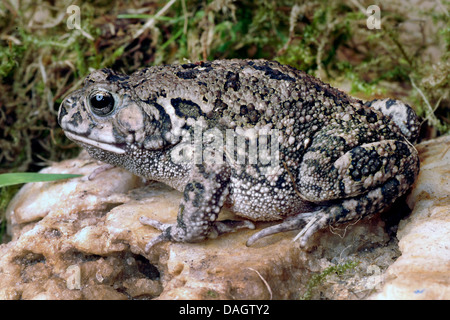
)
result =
(102, 103)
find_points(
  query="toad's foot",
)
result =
(310, 221)
(172, 232)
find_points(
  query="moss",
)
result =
(212, 294)
(318, 279)
(6, 194)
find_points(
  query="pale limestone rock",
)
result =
(86, 242)
(36, 200)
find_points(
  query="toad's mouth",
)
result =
(98, 144)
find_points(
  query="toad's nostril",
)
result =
(65, 105)
(68, 101)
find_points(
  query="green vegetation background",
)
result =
(41, 59)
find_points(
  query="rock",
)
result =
(81, 239)
(36, 200)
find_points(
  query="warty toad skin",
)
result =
(333, 158)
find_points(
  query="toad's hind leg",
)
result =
(337, 213)
(362, 193)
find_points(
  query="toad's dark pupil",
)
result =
(102, 103)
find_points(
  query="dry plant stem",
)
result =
(264, 281)
(430, 114)
(150, 22)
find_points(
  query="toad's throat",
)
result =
(101, 145)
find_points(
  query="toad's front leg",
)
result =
(203, 198)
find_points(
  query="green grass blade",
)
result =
(8, 179)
